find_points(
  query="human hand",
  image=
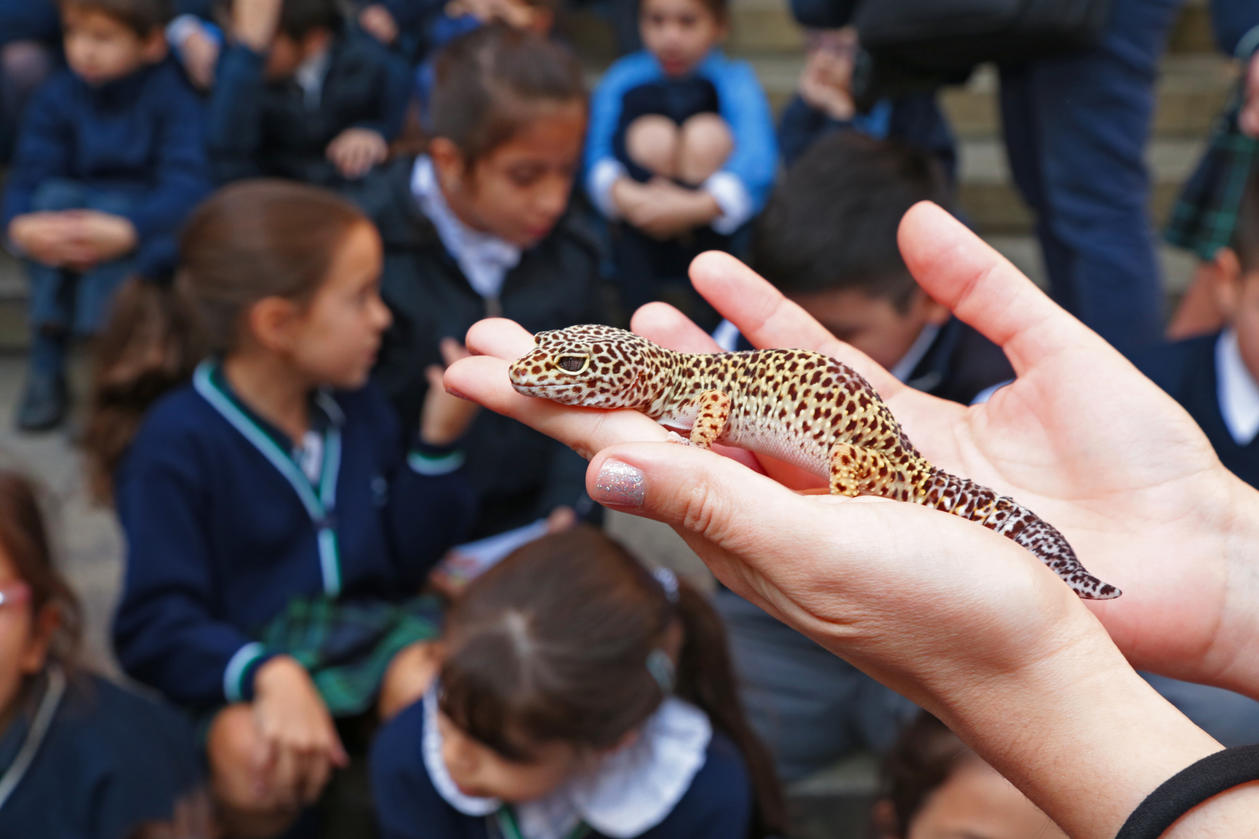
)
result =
(379, 23)
(664, 210)
(445, 417)
(300, 746)
(1150, 510)
(255, 23)
(43, 237)
(356, 150)
(97, 237)
(826, 81)
(1248, 119)
(199, 54)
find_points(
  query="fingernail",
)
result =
(619, 484)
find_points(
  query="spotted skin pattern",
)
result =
(799, 406)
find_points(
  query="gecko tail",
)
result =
(963, 497)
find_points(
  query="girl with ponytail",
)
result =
(577, 694)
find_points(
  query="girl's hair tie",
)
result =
(668, 581)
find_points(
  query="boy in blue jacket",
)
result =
(109, 162)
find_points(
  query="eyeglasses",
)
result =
(14, 593)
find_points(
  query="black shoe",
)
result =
(44, 402)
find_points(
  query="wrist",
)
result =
(276, 672)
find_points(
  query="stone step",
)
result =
(994, 206)
(1192, 90)
(767, 25)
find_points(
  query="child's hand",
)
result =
(300, 744)
(826, 84)
(379, 23)
(254, 23)
(43, 237)
(97, 237)
(445, 417)
(199, 54)
(1248, 120)
(670, 210)
(356, 150)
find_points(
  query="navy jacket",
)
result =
(1231, 21)
(222, 531)
(959, 364)
(519, 474)
(110, 761)
(718, 804)
(140, 135)
(260, 127)
(1187, 371)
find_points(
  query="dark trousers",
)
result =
(1076, 128)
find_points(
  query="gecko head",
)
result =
(592, 365)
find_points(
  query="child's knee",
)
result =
(705, 141)
(652, 142)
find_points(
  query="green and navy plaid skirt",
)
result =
(1205, 214)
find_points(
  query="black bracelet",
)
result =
(1188, 788)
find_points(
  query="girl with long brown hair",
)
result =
(578, 694)
(278, 534)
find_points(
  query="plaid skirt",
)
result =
(1205, 214)
(347, 645)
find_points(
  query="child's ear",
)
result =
(36, 653)
(448, 162)
(154, 47)
(270, 322)
(1224, 273)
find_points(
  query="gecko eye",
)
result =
(572, 363)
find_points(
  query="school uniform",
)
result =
(678, 780)
(636, 85)
(439, 278)
(1206, 375)
(85, 758)
(282, 128)
(132, 147)
(240, 546)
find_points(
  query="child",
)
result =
(277, 536)
(824, 103)
(681, 150)
(577, 694)
(478, 227)
(109, 162)
(827, 239)
(1216, 376)
(79, 756)
(296, 95)
(933, 785)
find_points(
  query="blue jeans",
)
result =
(63, 300)
(1076, 128)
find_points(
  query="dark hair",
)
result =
(24, 539)
(246, 242)
(720, 9)
(552, 645)
(1246, 230)
(297, 17)
(925, 754)
(831, 224)
(489, 81)
(140, 16)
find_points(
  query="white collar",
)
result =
(310, 75)
(916, 351)
(1238, 391)
(634, 789)
(484, 258)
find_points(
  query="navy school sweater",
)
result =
(140, 135)
(260, 127)
(110, 761)
(718, 804)
(223, 529)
